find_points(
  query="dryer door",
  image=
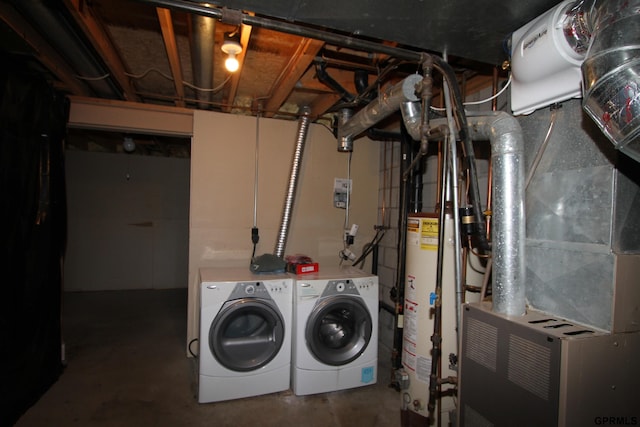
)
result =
(338, 330)
(246, 334)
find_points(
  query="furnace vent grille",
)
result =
(474, 418)
(482, 343)
(529, 366)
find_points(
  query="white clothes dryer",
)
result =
(245, 333)
(335, 337)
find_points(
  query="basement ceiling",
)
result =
(146, 50)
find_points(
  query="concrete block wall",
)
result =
(388, 215)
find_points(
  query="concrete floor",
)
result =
(126, 366)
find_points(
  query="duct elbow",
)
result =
(610, 73)
(505, 135)
(501, 129)
(412, 118)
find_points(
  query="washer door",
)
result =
(246, 334)
(338, 330)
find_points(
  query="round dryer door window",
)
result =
(246, 334)
(338, 330)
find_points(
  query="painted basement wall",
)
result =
(222, 194)
(128, 221)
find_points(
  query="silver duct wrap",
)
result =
(380, 108)
(508, 219)
(508, 223)
(283, 234)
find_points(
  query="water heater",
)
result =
(420, 282)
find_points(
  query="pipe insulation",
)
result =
(412, 118)
(380, 108)
(283, 234)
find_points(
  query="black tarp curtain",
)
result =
(33, 119)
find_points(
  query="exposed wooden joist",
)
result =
(169, 37)
(245, 35)
(45, 53)
(322, 103)
(298, 64)
(94, 30)
(311, 83)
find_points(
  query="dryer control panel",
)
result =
(250, 290)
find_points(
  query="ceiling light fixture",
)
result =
(128, 144)
(232, 47)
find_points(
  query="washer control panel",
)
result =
(365, 284)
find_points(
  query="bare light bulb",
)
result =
(128, 144)
(231, 63)
(232, 47)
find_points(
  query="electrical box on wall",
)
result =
(341, 192)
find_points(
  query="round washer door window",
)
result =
(338, 330)
(246, 334)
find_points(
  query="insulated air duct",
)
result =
(379, 109)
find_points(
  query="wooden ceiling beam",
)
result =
(169, 37)
(45, 53)
(296, 67)
(344, 78)
(95, 31)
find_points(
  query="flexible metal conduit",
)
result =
(508, 229)
(303, 127)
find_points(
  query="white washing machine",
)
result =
(335, 337)
(245, 333)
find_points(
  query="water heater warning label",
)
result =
(423, 368)
(429, 234)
